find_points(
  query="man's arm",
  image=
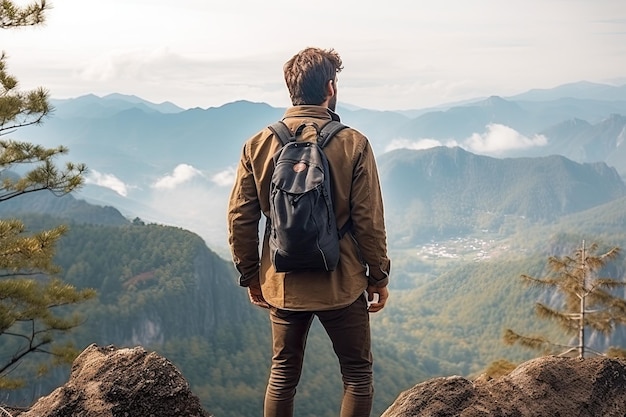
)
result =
(368, 217)
(243, 222)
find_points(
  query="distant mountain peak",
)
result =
(581, 90)
(240, 104)
(125, 97)
(493, 101)
(616, 116)
(164, 107)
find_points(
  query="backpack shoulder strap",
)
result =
(329, 130)
(281, 131)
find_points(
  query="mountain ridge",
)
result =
(442, 192)
(129, 146)
(462, 227)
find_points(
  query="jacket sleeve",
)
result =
(243, 222)
(368, 222)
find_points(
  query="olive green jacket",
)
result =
(356, 195)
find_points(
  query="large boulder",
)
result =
(112, 382)
(547, 386)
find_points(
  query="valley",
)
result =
(468, 249)
(464, 222)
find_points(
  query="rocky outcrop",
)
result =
(547, 386)
(112, 382)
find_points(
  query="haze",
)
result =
(397, 54)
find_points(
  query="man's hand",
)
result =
(256, 296)
(382, 293)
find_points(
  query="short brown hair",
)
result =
(308, 72)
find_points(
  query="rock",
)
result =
(112, 382)
(547, 386)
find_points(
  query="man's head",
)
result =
(311, 77)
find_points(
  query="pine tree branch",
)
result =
(12, 16)
(32, 347)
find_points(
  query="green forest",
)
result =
(161, 287)
(452, 298)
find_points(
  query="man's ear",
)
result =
(330, 88)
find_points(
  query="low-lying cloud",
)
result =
(496, 140)
(225, 178)
(417, 144)
(499, 138)
(108, 181)
(181, 174)
(203, 211)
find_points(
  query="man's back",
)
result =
(356, 197)
(339, 298)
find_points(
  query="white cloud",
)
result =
(496, 140)
(224, 178)
(418, 144)
(108, 181)
(499, 139)
(181, 174)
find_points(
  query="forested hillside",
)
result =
(443, 192)
(451, 307)
(162, 288)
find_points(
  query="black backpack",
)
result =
(302, 229)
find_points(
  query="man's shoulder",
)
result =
(352, 135)
(260, 136)
(349, 130)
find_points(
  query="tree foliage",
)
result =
(31, 299)
(12, 15)
(587, 301)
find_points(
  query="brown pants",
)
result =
(349, 331)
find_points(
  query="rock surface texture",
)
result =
(112, 382)
(545, 387)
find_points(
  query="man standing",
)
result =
(338, 298)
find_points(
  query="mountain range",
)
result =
(443, 192)
(475, 195)
(146, 158)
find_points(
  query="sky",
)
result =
(397, 54)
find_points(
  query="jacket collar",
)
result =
(314, 112)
